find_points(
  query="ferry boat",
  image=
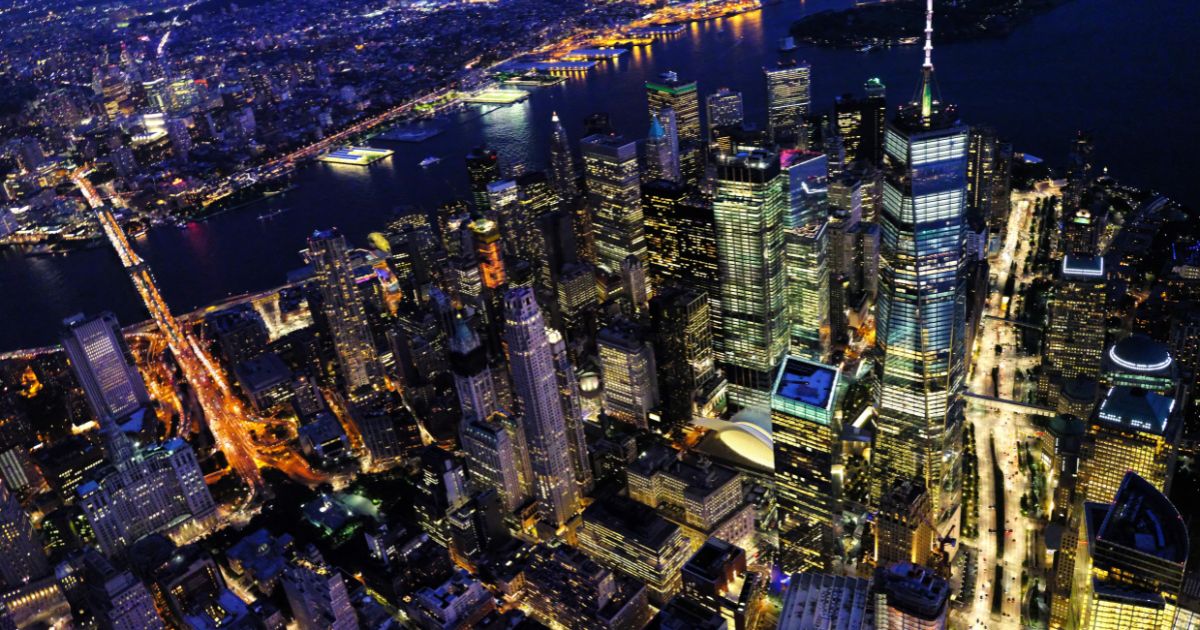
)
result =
(430, 161)
(272, 214)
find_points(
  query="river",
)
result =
(1126, 71)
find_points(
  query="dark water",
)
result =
(1125, 70)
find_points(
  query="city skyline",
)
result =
(724, 351)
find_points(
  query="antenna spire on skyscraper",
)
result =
(927, 68)
(928, 34)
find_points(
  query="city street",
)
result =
(1006, 430)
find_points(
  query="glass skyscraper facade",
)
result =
(614, 197)
(352, 342)
(921, 307)
(805, 243)
(749, 211)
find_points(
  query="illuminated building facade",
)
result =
(494, 459)
(21, 556)
(807, 433)
(104, 366)
(724, 109)
(345, 312)
(472, 375)
(989, 177)
(489, 252)
(921, 306)
(1139, 549)
(627, 369)
(806, 243)
(564, 589)
(749, 211)
(157, 489)
(903, 532)
(1133, 430)
(788, 100)
(629, 537)
(535, 382)
(569, 393)
(662, 147)
(683, 353)
(702, 497)
(683, 99)
(317, 593)
(1075, 330)
(682, 241)
(614, 197)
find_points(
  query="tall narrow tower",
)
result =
(536, 383)
(344, 309)
(749, 212)
(562, 165)
(921, 308)
(472, 377)
(614, 198)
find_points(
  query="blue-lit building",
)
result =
(921, 305)
(806, 434)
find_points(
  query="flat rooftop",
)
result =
(806, 382)
(357, 156)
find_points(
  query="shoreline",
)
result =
(441, 100)
(897, 23)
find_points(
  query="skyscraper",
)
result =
(317, 593)
(472, 375)
(903, 532)
(494, 459)
(535, 382)
(681, 239)
(489, 252)
(874, 115)
(724, 109)
(611, 169)
(788, 100)
(683, 353)
(344, 310)
(807, 435)
(806, 242)
(104, 366)
(1133, 430)
(749, 208)
(1076, 326)
(849, 124)
(1139, 548)
(627, 370)
(116, 597)
(662, 147)
(562, 164)
(682, 98)
(22, 558)
(483, 168)
(988, 175)
(568, 391)
(921, 307)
